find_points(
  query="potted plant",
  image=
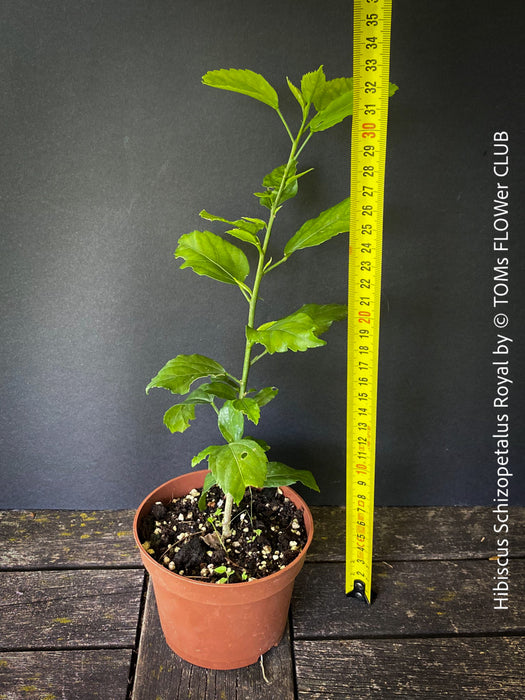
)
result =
(222, 574)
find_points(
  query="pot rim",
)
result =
(298, 501)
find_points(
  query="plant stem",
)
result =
(227, 519)
(294, 151)
(262, 255)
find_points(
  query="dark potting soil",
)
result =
(268, 533)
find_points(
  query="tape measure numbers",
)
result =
(372, 20)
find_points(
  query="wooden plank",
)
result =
(481, 668)
(67, 539)
(413, 598)
(162, 675)
(61, 609)
(75, 675)
(76, 539)
(449, 532)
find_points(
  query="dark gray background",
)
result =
(110, 148)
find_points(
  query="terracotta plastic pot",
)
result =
(220, 626)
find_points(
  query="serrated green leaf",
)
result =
(245, 229)
(201, 395)
(279, 474)
(299, 330)
(249, 407)
(262, 443)
(247, 82)
(323, 315)
(236, 466)
(259, 223)
(333, 89)
(247, 223)
(205, 454)
(335, 112)
(272, 182)
(265, 395)
(221, 390)
(210, 255)
(245, 236)
(177, 418)
(239, 465)
(231, 422)
(328, 224)
(178, 374)
(336, 103)
(266, 199)
(295, 332)
(206, 393)
(392, 88)
(313, 84)
(296, 92)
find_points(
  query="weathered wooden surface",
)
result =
(73, 620)
(413, 598)
(73, 539)
(65, 675)
(402, 534)
(50, 609)
(67, 539)
(459, 669)
(162, 675)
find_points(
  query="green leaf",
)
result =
(296, 93)
(245, 229)
(337, 110)
(259, 223)
(279, 474)
(201, 395)
(221, 390)
(392, 88)
(236, 466)
(313, 84)
(250, 407)
(209, 482)
(244, 81)
(265, 395)
(266, 199)
(210, 255)
(336, 103)
(206, 453)
(231, 422)
(295, 332)
(333, 89)
(178, 374)
(262, 443)
(247, 223)
(323, 315)
(245, 236)
(177, 418)
(272, 182)
(299, 330)
(316, 231)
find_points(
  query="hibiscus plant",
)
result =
(241, 461)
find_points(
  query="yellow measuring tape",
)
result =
(372, 19)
